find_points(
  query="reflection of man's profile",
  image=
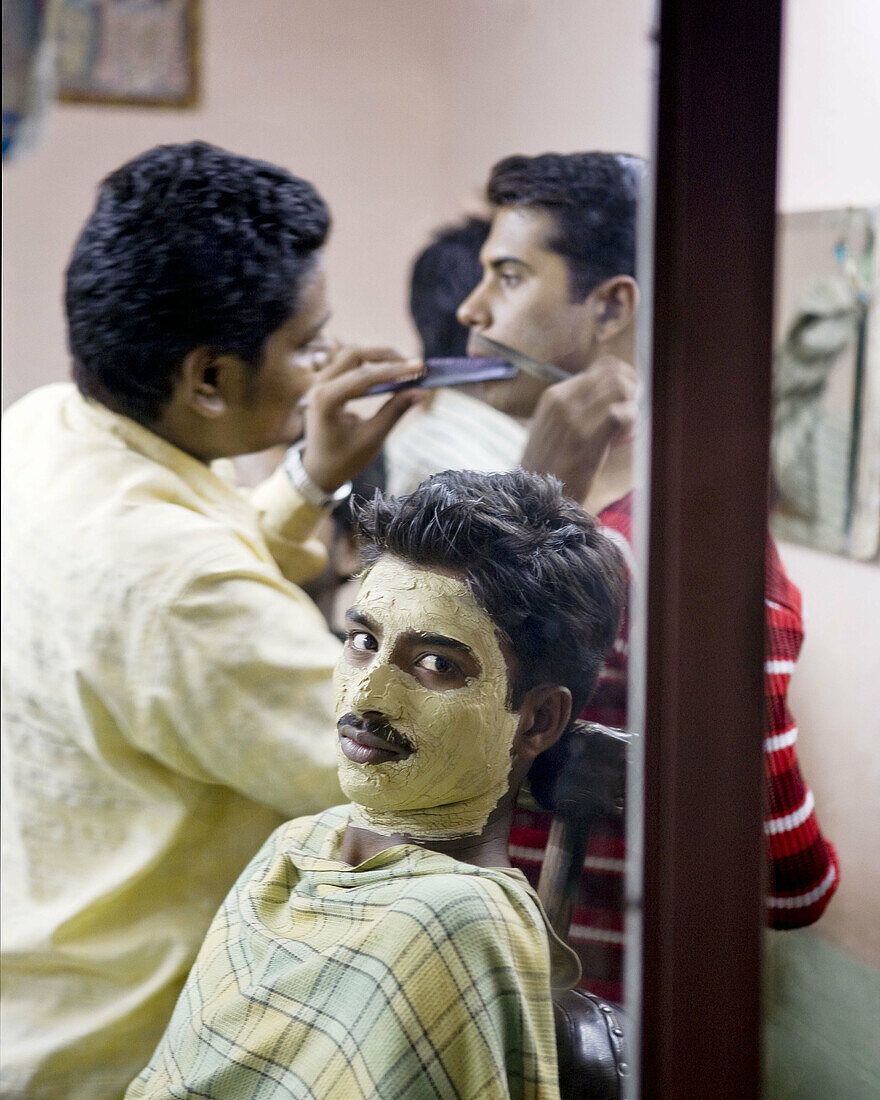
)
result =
(558, 283)
(387, 948)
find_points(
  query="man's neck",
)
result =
(487, 848)
(615, 478)
(163, 426)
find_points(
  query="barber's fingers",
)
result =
(381, 423)
(614, 363)
(359, 378)
(624, 416)
(342, 443)
(604, 382)
(612, 373)
(345, 359)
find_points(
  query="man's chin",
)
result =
(360, 779)
(516, 397)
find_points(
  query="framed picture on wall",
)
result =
(825, 448)
(138, 52)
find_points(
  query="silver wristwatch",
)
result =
(307, 489)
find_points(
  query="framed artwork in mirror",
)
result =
(127, 52)
(825, 449)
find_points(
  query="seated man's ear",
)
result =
(614, 303)
(543, 716)
(210, 384)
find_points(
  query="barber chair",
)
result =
(582, 780)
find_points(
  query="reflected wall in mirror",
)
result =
(826, 410)
(396, 110)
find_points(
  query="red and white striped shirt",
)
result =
(803, 864)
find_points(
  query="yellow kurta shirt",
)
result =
(166, 696)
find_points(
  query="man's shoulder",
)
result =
(485, 922)
(467, 897)
(490, 913)
(156, 515)
(48, 395)
(36, 412)
(316, 835)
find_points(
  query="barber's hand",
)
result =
(339, 443)
(584, 773)
(578, 420)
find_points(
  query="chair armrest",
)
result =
(591, 1047)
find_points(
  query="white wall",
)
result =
(830, 157)
(394, 108)
(830, 153)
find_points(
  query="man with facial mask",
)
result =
(387, 948)
(555, 278)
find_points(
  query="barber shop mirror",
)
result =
(826, 413)
(397, 110)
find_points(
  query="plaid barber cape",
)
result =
(412, 975)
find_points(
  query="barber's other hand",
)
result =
(578, 420)
(339, 443)
(584, 773)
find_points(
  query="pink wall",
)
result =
(394, 108)
(829, 154)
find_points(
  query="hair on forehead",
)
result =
(592, 199)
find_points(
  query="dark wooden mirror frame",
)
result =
(712, 339)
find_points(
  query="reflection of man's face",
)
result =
(524, 301)
(421, 700)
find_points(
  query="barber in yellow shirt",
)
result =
(166, 685)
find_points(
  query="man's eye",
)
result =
(433, 662)
(314, 353)
(362, 642)
(509, 277)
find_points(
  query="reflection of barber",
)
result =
(558, 284)
(167, 686)
(386, 948)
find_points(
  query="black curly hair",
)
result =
(187, 246)
(443, 275)
(551, 582)
(592, 198)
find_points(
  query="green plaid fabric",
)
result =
(412, 975)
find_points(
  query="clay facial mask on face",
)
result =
(461, 737)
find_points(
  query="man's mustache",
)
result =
(379, 726)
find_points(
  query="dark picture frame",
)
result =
(128, 52)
